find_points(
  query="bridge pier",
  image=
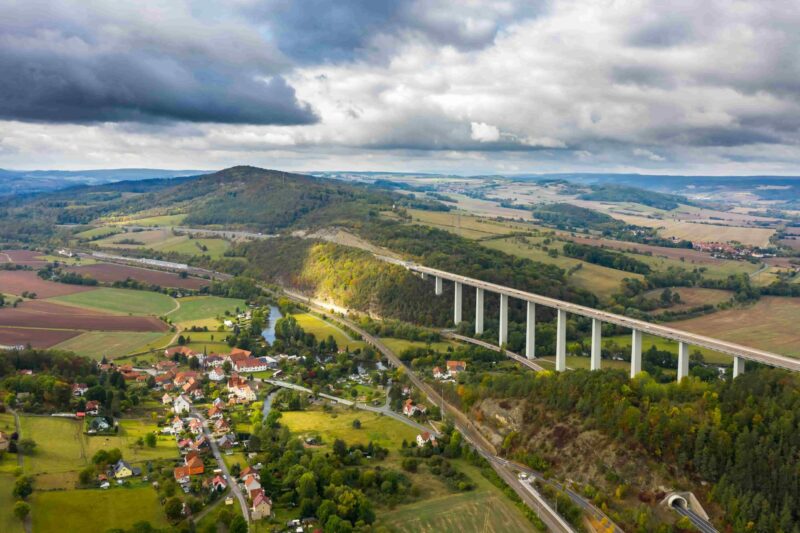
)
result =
(561, 341)
(636, 352)
(530, 332)
(457, 303)
(738, 367)
(597, 330)
(478, 310)
(683, 360)
(438, 286)
(503, 340)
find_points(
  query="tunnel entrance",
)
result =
(678, 501)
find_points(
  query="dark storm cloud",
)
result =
(94, 67)
(321, 30)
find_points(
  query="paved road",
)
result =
(658, 330)
(518, 358)
(222, 466)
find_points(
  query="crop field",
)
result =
(211, 247)
(36, 337)
(158, 220)
(112, 344)
(122, 301)
(693, 231)
(22, 257)
(111, 272)
(18, 281)
(96, 509)
(98, 233)
(771, 324)
(164, 240)
(471, 227)
(49, 315)
(382, 430)
(322, 329)
(195, 308)
(485, 509)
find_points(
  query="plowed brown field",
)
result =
(109, 273)
(17, 281)
(44, 314)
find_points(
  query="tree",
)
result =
(173, 509)
(150, 440)
(339, 448)
(238, 525)
(307, 486)
(181, 340)
(356, 424)
(23, 487)
(26, 446)
(86, 476)
(22, 510)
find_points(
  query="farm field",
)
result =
(770, 324)
(122, 301)
(598, 279)
(691, 231)
(8, 522)
(321, 329)
(36, 337)
(692, 297)
(164, 240)
(380, 429)
(469, 226)
(485, 509)
(96, 510)
(97, 233)
(49, 315)
(22, 257)
(112, 344)
(157, 220)
(18, 281)
(111, 272)
(194, 308)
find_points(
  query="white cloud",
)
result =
(484, 133)
(652, 156)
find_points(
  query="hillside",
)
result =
(239, 197)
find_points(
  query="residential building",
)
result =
(182, 404)
(425, 438)
(262, 506)
(123, 469)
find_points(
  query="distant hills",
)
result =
(32, 181)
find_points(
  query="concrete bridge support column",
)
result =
(423, 275)
(738, 367)
(478, 310)
(503, 320)
(597, 330)
(636, 352)
(530, 332)
(561, 341)
(438, 286)
(683, 360)
(457, 303)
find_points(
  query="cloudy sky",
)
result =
(464, 86)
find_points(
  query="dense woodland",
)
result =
(743, 436)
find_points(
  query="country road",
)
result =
(222, 466)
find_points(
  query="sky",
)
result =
(466, 86)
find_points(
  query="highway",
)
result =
(693, 339)
(698, 521)
(222, 466)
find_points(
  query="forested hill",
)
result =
(239, 197)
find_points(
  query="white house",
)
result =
(216, 374)
(182, 404)
(424, 438)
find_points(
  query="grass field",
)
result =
(98, 233)
(164, 240)
(159, 220)
(112, 344)
(196, 308)
(771, 324)
(399, 345)
(8, 522)
(213, 247)
(321, 329)
(122, 301)
(61, 454)
(382, 430)
(575, 362)
(666, 345)
(692, 297)
(485, 509)
(96, 510)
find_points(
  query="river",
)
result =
(269, 331)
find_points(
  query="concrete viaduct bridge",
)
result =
(685, 339)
